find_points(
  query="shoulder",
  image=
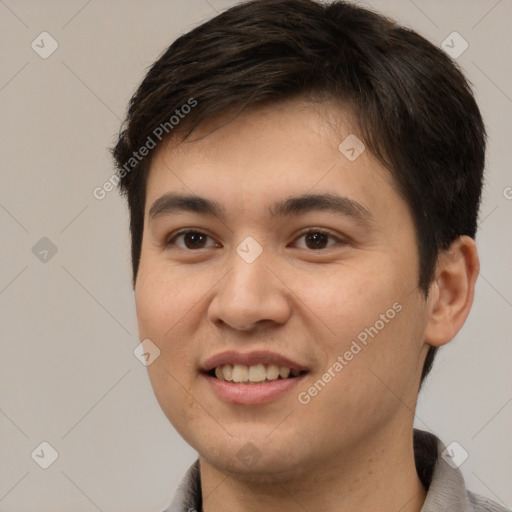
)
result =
(483, 504)
(188, 495)
(443, 479)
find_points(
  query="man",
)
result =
(303, 183)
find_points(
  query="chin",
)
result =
(253, 457)
(273, 468)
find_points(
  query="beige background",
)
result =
(68, 375)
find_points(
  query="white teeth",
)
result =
(284, 372)
(227, 370)
(255, 373)
(272, 372)
(240, 373)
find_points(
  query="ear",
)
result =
(451, 294)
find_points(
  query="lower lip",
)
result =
(252, 394)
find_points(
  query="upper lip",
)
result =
(250, 359)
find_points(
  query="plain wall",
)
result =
(68, 375)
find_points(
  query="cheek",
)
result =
(382, 360)
(371, 320)
(165, 309)
(373, 383)
(163, 297)
(349, 299)
(164, 306)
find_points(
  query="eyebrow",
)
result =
(294, 205)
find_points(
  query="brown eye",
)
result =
(191, 240)
(316, 240)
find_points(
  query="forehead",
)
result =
(270, 153)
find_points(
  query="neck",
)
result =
(378, 475)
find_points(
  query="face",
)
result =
(296, 259)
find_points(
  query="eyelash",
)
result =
(171, 239)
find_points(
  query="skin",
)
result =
(350, 447)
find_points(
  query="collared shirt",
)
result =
(443, 480)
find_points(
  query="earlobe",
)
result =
(451, 294)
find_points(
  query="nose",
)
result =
(250, 294)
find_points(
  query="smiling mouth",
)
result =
(255, 374)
